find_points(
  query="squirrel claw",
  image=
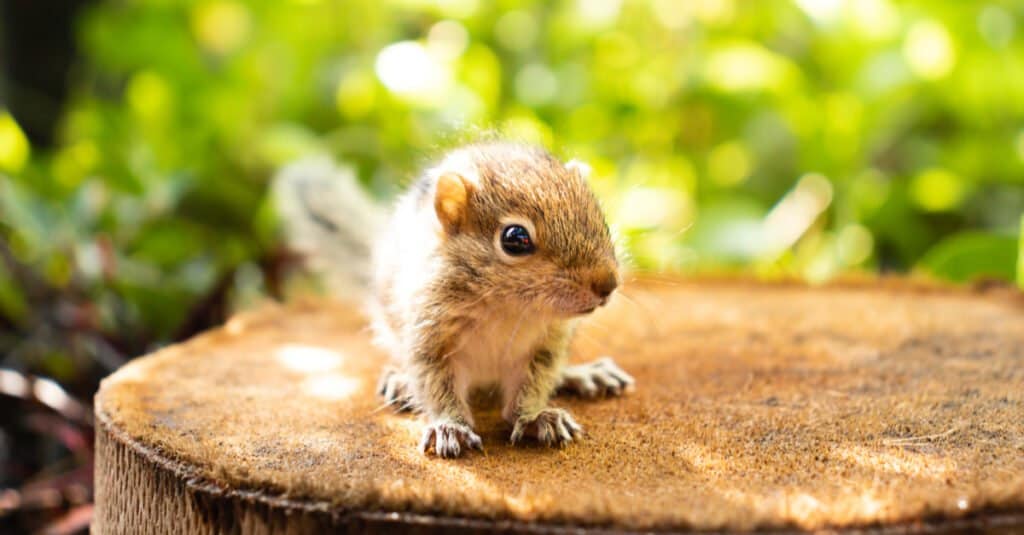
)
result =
(600, 377)
(551, 427)
(448, 438)
(394, 388)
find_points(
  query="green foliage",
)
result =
(970, 255)
(1020, 254)
(804, 138)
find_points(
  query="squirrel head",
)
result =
(519, 225)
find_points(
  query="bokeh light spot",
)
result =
(308, 359)
(713, 12)
(331, 387)
(929, 50)
(745, 67)
(516, 30)
(868, 192)
(729, 164)
(795, 213)
(14, 146)
(536, 84)
(937, 190)
(463, 106)
(222, 26)
(816, 186)
(526, 127)
(822, 11)
(996, 26)
(598, 13)
(356, 94)
(149, 96)
(459, 9)
(854, 244)
(283, 142)
(874, 19)
(676, 14)
(409, 70)
(672, 14)
(649, 208)
(447, 39)
(71, 164)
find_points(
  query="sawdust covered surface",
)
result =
(756, 406)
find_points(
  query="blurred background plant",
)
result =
(804, 138)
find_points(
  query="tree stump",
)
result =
(859, 404)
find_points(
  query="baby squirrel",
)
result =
(486, 265)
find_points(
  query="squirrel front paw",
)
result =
(396, 389)
(551, 427)
(447, 439)
(600, 377)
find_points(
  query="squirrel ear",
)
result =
(450, 201)
(579, 167)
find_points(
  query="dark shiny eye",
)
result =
(516, 241)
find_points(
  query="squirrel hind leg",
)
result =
(395, 387)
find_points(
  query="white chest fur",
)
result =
(499, 345)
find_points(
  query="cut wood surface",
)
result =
(862, 404)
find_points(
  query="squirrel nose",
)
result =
(605, 285)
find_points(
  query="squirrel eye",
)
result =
(516, 241)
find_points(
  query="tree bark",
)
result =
(882, 403)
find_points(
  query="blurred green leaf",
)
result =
(59, 365)
(12, 301)
(972, 255)
(169, 243)
(1020, 254)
